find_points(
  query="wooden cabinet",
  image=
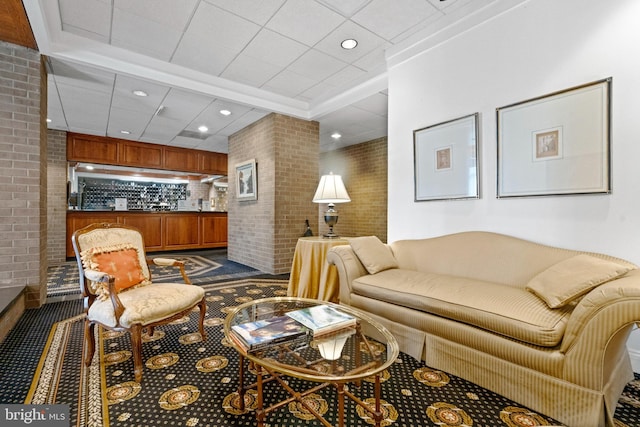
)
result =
(179, 159)
(148, 224)
(162, 231)
(181, 231)
(87, 148)
(140, 154)
(212, 163)
(214, 230)
(122, 152)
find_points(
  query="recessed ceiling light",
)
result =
(49, 120)
(335, 135)
(225, 112)
(89, 167)
(140, 93)
(125, 132)
(349, 44)
(203, 128)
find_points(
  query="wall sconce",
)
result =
(331, 190)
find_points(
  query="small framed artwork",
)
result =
(246, 180)
(446, 160)
(556, 144)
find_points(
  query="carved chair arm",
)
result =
(171, 263)
(100, 277)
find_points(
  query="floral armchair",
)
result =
(118, 292)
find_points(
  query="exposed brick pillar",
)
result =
(263, 233)
(56, 196)
(23, 160)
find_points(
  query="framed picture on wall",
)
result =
(556, 144)
(446, 160)
(246, 180)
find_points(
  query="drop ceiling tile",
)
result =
(305, 21)
(367, 42)
(345, 7)
(274, 48)
(257, 11)
(288, 83)
(346, 76)
(250, 71)
(71, 74)
(316, 65)
(87, 18)
(376, 104)
(169, 13)
(183, 105)
(124, 98)
(128, 120)
(375, 61)
(162, 129)
(321, 90)
(389, 18)
(221, 27)
(242, 122)
(138, 34)
(230, 34)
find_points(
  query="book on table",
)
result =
(322, 319)
(263, 333)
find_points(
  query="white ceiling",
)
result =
(252, 57)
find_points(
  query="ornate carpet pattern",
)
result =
(200, 267)
(192, 383)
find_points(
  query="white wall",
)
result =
(538, 47)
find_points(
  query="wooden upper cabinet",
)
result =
(87, 148)
(140, 154)
(122, 152)
(180, 159)
(212, 163)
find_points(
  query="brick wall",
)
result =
(56, 196)
(263, 233)
(23, 181)
(364, 171)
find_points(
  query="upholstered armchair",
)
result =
(118, 292)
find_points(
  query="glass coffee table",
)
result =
(337, 358)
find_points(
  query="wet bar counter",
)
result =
(162, 231)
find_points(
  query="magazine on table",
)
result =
(263, 333)
(322, 319)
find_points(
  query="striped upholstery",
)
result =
(459, 303)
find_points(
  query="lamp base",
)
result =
(331, 235)
(331, 219)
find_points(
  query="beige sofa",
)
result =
(543, 326)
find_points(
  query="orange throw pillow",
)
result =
(122, 264)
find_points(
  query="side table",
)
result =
(311, 275)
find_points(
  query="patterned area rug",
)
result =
(62, 280)
(187, 382)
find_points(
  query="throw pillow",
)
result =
(570, 279)
(373, 254)
(120, 261)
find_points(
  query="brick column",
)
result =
(263, 233)
(23, 214)
(56, 196)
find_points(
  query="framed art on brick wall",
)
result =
(556, 144)
(446, 160)
(246, 180)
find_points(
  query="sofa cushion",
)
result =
(373, 254)
(503, 309)
(568, 280)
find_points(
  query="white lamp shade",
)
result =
(331, 190)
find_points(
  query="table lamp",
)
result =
(331, 190)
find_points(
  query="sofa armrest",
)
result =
(597, 331)
(349, 268)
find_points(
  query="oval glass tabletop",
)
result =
(276, 333)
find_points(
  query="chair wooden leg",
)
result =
(136, 347)
(203, 312)
(89, 342)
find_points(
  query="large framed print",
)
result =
(246, 180)
(556, 144)
(446, 160)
